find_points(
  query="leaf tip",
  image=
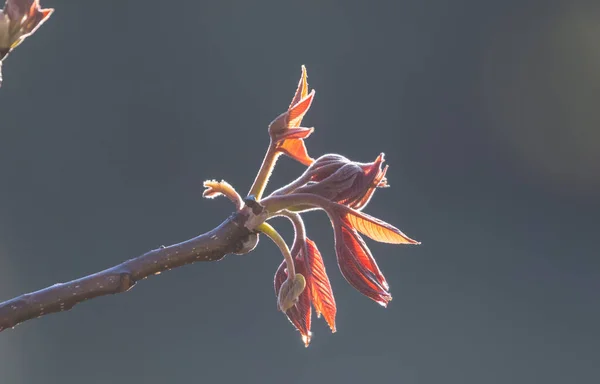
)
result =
(306, 339)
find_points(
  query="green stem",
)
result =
(266, 168)
(268, 230)
(299, 229)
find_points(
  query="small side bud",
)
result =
(290, 291)
(247, 244)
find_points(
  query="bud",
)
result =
(247, 244)
(343, 181)
(299, 314)
(324, 167)
(320, 169)
(290, 291)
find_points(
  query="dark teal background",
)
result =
(113, 114)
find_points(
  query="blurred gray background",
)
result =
(113, 114)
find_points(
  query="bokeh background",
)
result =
(113, 114)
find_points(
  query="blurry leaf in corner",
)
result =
(18, 20)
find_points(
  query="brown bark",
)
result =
(232, 236)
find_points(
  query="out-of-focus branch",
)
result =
(232, 236)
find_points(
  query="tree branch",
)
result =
(232, 236)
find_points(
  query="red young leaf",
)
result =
(358, 266)
(285, 130)
(362, 253)
(320, 288)
(297, 112)
(379, 181)
(296, 149)
(373, 177)
(302, 90)
(376, 229)
(363, 281)
(278, 125)
(295, 133)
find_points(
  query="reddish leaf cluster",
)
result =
(340, 187)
